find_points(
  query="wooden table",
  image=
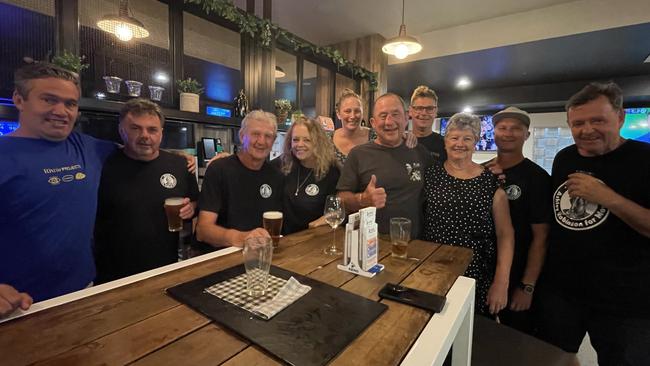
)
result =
(133, 321)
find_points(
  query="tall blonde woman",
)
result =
(311, 173)
(464, 206)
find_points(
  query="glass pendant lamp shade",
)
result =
(402, 45)
(122, 25)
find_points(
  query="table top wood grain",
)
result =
(140, 324)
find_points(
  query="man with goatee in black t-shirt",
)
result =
(131, 231)
(528, 188)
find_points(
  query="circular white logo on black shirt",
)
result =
(575, 213)
(513, 191)
(312, 190)
(265, 191)
(167, 180)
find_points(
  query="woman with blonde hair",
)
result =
(464, 206)
(311, 172)
(349, 110)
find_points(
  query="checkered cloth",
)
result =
(290, 292)
(280, 294)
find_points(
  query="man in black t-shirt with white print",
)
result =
(239, 188)
(131, 230)
(597, 273)
(528, 187)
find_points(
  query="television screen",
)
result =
(486, 141)
(637, 124)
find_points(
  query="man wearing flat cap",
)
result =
(528, 188)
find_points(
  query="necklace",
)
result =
(298, 184)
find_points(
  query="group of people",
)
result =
(508, 210)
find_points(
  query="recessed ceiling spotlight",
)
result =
(463, 82)
(161, 77)
(467, 109)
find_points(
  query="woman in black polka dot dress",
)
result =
(464, 206)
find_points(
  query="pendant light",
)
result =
(279, 72)
(402, 45)
(122, 25)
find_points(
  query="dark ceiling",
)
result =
(539, 75)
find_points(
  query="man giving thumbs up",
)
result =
(384, 173)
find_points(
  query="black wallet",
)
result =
(413, 297)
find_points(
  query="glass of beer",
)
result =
(173, 207)
(272, 222)
(400, 235)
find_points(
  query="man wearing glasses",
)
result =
(423, 110)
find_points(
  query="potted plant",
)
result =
(70, 61)
(282, 109)
(190, 90)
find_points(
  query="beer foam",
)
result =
(272, 215)
(174, 201)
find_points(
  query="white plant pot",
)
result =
(189, 102)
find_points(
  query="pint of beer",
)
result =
(173, 207)
(272, 221)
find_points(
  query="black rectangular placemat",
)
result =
(311, 331)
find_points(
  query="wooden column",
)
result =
(67, 25)
(258, 65)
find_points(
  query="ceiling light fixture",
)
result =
(463, 83)
(402, 45)
(279, 73)
(468, 109)
(122, 25)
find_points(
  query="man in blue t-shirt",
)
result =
(48, 178)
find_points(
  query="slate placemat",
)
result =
(311, 331)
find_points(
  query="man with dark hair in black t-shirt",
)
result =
(238, 189)
(131, 231)
(597, 273)
(423, 110)
(528, 187)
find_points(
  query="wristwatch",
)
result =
(527, 288)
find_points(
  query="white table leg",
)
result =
(454, 324)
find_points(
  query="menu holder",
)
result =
(307, 332)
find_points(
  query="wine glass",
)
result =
(334, 215)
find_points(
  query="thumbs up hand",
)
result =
(373, 196)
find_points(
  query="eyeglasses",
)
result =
(421, 108)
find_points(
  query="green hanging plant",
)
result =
(70, 61)
(264, 31)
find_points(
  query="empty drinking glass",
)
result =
(334, 215)
(258, 253)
